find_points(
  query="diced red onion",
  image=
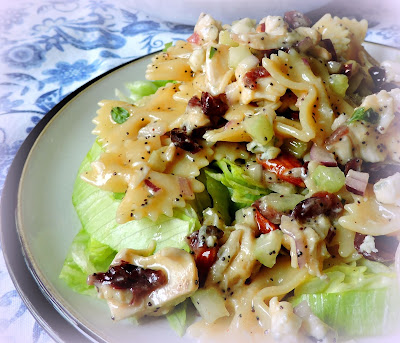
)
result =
(296, 19)
(153, 188)
(340, 132)
(185, 188)
(305, 60)
(328, 45)
(347, 69)
(300, 246)
(305, 44)
(354, 164)
(356, 182)
(386, 248)
(269, 212)
(322, 156)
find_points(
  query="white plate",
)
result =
(47, 222)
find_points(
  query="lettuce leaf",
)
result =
(101, 236)
(140, 89)
(242, 188)
(96, 210)
(356, 299)
(220, 196)
(347, 277)
(177, 318)
(85, 256)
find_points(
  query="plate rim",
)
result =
(10, 232)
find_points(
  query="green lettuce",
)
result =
(139, 89)
(356, 299)
(243, 189)
(101, 236)
(177, 318)
(220, 196)
(97, 209)
(86, 256)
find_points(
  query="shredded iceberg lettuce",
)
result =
(242, 188)
(356, 299)
(101, 236)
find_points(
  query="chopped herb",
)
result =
(212, 52)
(119, 115)
(367, 115)
(166, 46)
(118, 196)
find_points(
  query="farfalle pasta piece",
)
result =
(218, 74)
(151, 194)
(231, 151)
(236, 260)
(368, 216)
(345, 34)
(159, 107)
(189, 165)
(294, 73)
(172, 64)
(233, 131)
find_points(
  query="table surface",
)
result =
(50, 48)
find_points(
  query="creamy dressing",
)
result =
(141, 159)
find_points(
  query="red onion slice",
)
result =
(305, 44)
(356, 182)
(300, 246)
(153, 188)
(322, 156)
(340, 132)
(185, 188)
(296, 19)
(305, 61)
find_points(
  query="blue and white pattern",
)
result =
(49, 48)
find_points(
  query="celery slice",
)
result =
(296, 147)
(329, 179)
(225, 38)
(238, 54)
(260, 128)
(267, 248)
(339, 83)
(210, 304)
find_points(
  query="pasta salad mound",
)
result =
(255, 177)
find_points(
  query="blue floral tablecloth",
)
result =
(48, 49)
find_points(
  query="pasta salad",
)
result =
(256, 177)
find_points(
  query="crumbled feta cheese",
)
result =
(387, 191)
(211, 241)
(392, 70)
(197, 59)
(207, 28)
(383, 104)
(275, 25)
(368, 245)
(284, 322)
(268, 151)
(244, 25)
